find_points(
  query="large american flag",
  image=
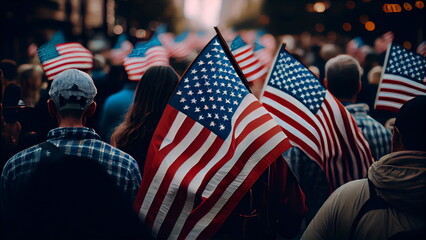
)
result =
(212, 143)
(315, 121)
(248, 63)
(403, 78)
(57, 56)
(143, 56)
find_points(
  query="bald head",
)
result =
(343, 76)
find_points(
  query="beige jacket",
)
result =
(399, 178)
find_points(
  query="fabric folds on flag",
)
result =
(403, 78)
(58, 55)
(248, 63)
(315, 121)
(212, 143)
(143, 56)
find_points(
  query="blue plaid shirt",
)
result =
(79, 141)
(378, 137)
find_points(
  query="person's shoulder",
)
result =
(21, 158)
(116, 152)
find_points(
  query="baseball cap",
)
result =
(72, 89)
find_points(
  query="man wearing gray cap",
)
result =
(71, 103)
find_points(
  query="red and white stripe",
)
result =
(330, 137)
(265, 57)
(249, 64)
(395, 90)
(137, 66)
(72, 56)
(193, 179)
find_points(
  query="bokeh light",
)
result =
(319, 7)
(370, 26)
(347, 27)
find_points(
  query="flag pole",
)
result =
(232, 59)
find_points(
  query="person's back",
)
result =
(70, 197)
(390, 202)
(72, 93)
(343, 79)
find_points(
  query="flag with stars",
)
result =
(143, 56)
(58, 55)
(212, 143)
(403, 78)
(315, 121)
(248, 63)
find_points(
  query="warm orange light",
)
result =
(347, 27)
(407, 45)
(319, 27)
(319, 7)
(370, 26)
(407, 6)
(118, 29)
(419, 4)
(350, 4)
(392, 8)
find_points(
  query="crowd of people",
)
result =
(73, 153)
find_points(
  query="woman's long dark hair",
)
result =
(151, 97)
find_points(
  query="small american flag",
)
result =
(404, 77)
(57, 56)
(248, 63)
(183, 45)
(212, 143)
(315, 121)
(143, 56)
(265, 57)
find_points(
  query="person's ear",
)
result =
(397, 144)
(90, 110)
(51, 107)
(325, 82)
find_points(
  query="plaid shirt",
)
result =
(79, 141)
(378, 137)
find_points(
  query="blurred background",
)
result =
(97, 23)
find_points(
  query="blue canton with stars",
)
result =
(140, 48)
(293, 78)
(210, 91)
(407, 64)
(48, 50)
(238, 42)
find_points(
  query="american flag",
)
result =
(248, 63)
(143, 56)
(212, 143)
(315, 121)
(57, 56)
(183, 45)
(404, 77)
(265, 57)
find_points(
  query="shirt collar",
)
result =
(358, 108)
(77, 133)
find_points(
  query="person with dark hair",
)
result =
(390, 203)
(71, 197)
(343, 79)
(71, 103)
(151, 97)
